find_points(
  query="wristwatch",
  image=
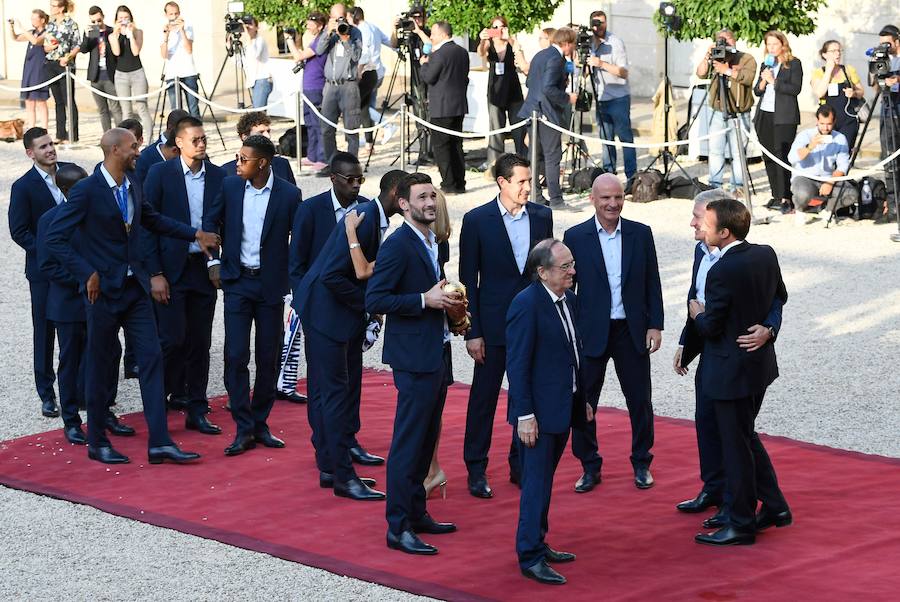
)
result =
(354, 245)
(771, 333)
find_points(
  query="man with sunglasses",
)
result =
(183, 188)
(254, 211)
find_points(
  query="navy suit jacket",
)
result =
(29, 199)
(413, 336)
(166, 191)
(106, 247)
(280, 165)
(641, 288)
(330, 298)
(740, 290)
(226, 216)
(148, 158)
(546, 84)
(64, 302)
(540, 360)
(691, 340)
(488, 269)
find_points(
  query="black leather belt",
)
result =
(339, 82)
(245, 271)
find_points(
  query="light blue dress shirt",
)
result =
(518, 229)
(709, 260)
(431, 246)
(340, 212)
(611, 245)
(195, 183)
(256, 202)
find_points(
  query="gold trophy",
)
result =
(458, 318)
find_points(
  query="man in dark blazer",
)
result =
(740, 290)
(254, 211)
(258, 123)
(183, 189)
(101, 69)
(30, 197)
(446, 71)
(108, 211)
(406, 288)
(493, 247)
(690, 345)
(620, 316)
(547, 95)
(155, 152)
(544, 363)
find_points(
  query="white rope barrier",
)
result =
(503, 130)
(232, 109)
(647, 145)
(384, 122)
(87, 84)
(858, 173)
(36, 87)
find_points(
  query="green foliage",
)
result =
(288, 12)
(471, 16)
(748, 19)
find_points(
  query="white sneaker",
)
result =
(389, 131)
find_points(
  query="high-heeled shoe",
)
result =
(438, 480)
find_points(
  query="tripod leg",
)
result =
(215, 120)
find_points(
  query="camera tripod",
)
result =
(575, 150)
(159, 110)
(387, 103)
(233, 48)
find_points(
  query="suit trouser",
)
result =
(340, 100)
(448, 152)
(185, 333)
(314, 407)
(61, 89)
(777, 139)
(538, 467)
(748, 470)
(42, 340)
(72, 337)
(633, 370)
(419, 94)
(338, 383)
(497, 118)
(482, 408)
(246, 305)
(709, 441)
(110, 113)
(368, 88)
(134, 312)
(417, 425)
(551, 150)
(804, 189)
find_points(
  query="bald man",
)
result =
(620, 317)
(108, 211)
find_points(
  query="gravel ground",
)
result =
(840, 325)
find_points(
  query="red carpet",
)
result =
(631, 545)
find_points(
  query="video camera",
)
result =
(722, 52)
(406, 23)
(234, 24)
(880, 60)
(584, 41)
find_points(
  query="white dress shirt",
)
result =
(51, 185)
(611, 245)
(195, 184)
(710, 257)
(518, 229)
(431, 246)
(256, 202)
(728, 246)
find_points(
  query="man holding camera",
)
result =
(256, 63)
(417, 41)
(342, 44)
(101, 67)
(610, 72)
(889, 37)
(725, 64)
(177, 49)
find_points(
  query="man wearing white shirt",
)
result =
(256, 64)
(370, 67)
(177, 49)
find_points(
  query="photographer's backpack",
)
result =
(871, 203)
(646, 186)
(287, 143)
(582, 180)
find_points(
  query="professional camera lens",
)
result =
(343, 28)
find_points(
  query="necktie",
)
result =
(122, 199)
(570, 334)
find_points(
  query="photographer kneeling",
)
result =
(724, 61)
(821, 152)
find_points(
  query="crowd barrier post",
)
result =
(403, 136)
(299, 131)
(178, 93)
(70, 104)
(533, 149)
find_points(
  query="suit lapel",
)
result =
(181, 185)
(502, 234)
(270, 209)
(596, 250)
(419, 246)
(627, 248)
(109, 198)
(40, 187)
(553, 311)
(137, 199)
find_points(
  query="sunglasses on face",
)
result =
(351, 179)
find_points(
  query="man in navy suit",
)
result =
(30, 197)
(741, 289)
(258, 123)
(254, 211)
(493, 246)
(315, 221)
(156, 151)
(543, 362)
(547, 95)
(406, 288)
(183, 189)
(108, 211)
(690, 345)
(331, 302)
(620, 316)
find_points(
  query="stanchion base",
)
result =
(895, 237)
(762, 221)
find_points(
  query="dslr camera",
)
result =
(722, 52)
(343, 28)
(880, 61)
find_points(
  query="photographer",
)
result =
(131, 80)
(370, 67)
(178, 49)
(738, 68)
(610, 71)
(342, 44)
(889, 38)
(313, 85)
(837, 85)
(256, 63)
(101, 67)
(411, 36)
(820, 152)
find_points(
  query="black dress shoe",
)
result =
(325, 172)
(268, 439)
(766, 519)
(410, 543)
(773, 204)
(202, 424)
(479, 487)
(542, 573)
(177, 403)
(131, 372)
(557, 557)
(726, 536)
(291, 396)
(49, 408)
(159, 454)
(361, 456)
(643, 479)
(240, 444)
(717, 520)
(515, 480)
(426, 524)
(326, 480)
(75, 435)
(107, 455)
(587, 482)
(117, 428)
(355, 489)
(700, 503)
